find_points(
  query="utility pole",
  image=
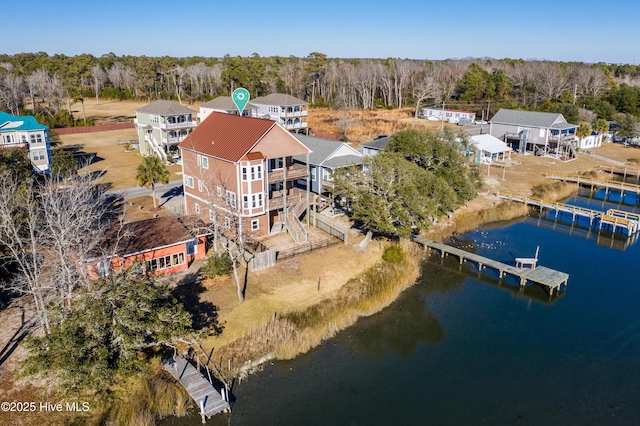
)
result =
(488, 109)
(442, 118)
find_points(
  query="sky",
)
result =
(562, 30)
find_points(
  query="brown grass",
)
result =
(364, 125)
(292, 332)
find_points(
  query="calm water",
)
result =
(458, 349)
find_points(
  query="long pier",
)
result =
(616, 219)
(206, 396)
(547, 277)
(622, 171)
(595, 183)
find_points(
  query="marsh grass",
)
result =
(292, 333)
(147, 398)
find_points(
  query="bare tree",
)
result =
(425, 87)
(12, 91)
(98, 78)
(73, 216)
(21, 237)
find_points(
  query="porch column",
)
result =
(308, 176)
(284, 186)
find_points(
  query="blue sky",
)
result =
(562, 30)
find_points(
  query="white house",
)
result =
(287, 110)
(225, 104)
(161, 126)
(448, 115)
(25, 133)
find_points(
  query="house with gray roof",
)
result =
(25, 133)
(539, 133)
(369, 149)
(325, 157)
(225, 104)
(161, 126)
(287, 110)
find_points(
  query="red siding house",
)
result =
(239, 172)
(166, 245)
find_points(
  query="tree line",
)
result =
(40, 83)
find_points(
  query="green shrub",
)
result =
(216, 265)
(393, 254)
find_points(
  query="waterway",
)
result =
(463, 348)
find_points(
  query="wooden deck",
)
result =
(616, 219)
(205, 395)
(622, 171)
(547, 277)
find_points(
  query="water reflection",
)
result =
(400, 330)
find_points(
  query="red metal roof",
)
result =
(227, 136)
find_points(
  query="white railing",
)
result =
(183, 125)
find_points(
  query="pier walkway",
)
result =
(606, 184)
(547, 277)
(616, 219)
(205, 395)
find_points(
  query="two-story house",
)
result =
(161, 126)
(289, 111)
(225, 104)
(326, 156)
(25, 133)
(238, 172)
(531, 132)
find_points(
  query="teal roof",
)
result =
(14, 123)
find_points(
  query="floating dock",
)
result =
(550, 278)
(616, 219)
(206, 396)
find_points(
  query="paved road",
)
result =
(164, 192)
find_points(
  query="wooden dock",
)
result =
(206, 396)
(546, 277)
(608, 185)
(616, 219)
(622, 171)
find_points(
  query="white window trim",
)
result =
(255, 225)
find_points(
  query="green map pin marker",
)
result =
(240, 97)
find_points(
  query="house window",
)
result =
(256, 200)
(188, 181)
(244, 173)
(38, 155)
(326, 174)
(255, 225)
(205, 162)
(103, 268)
(7, 138)
(275, 163)
(199, 159)
(192, 247)
(245, 201)
(219, 192)
(313, 173)
(165, 262)
(23, 138)
(199, 185)
(197, 207)
(227, 222)
(256, 172)
(211, 216)
(231, 198)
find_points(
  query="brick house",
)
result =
(238, 171)
(166, 245)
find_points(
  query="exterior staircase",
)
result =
(293, 224)
(155, 147)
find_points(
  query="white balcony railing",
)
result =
(183, 125)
